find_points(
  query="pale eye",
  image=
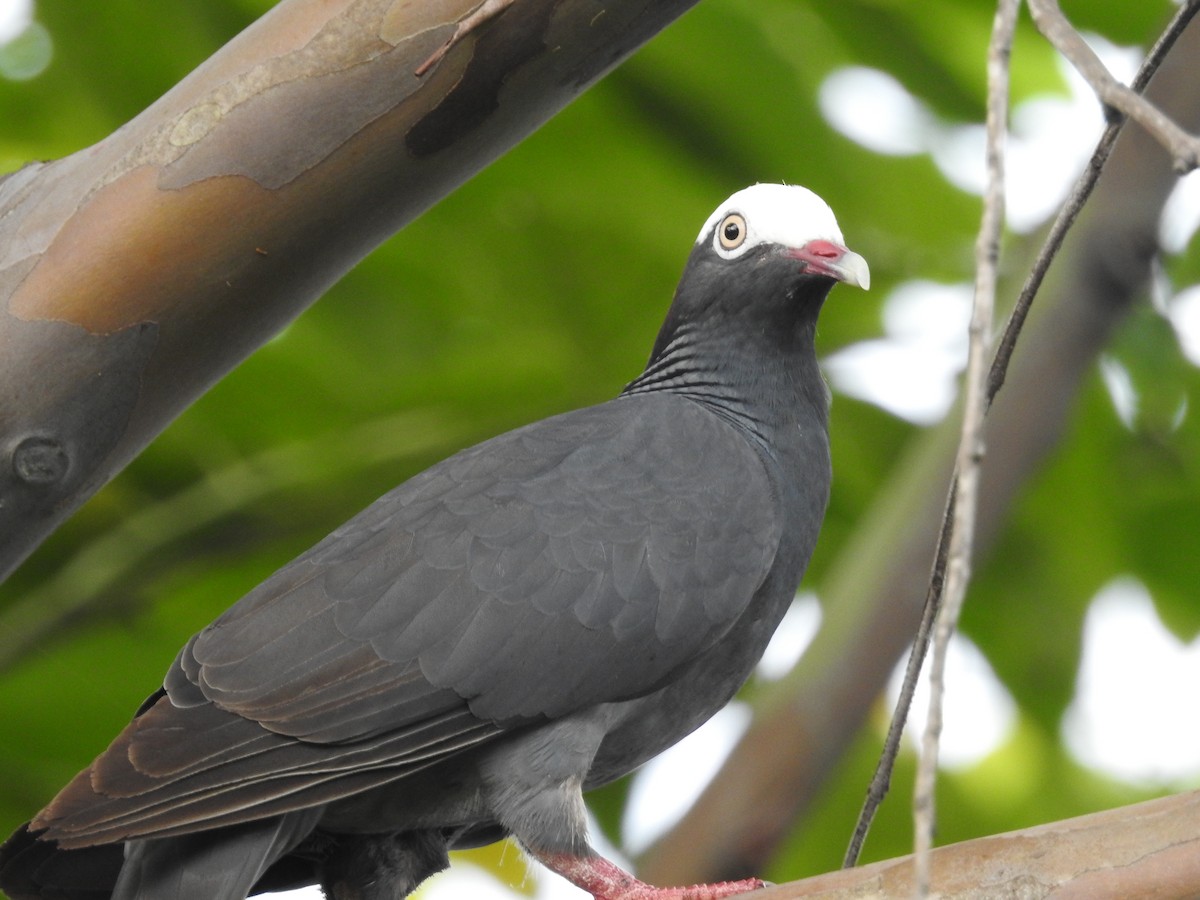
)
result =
(732, 231)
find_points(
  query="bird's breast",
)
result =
(648, 725)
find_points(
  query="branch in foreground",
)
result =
(965, 494)
(1079, 194)
(1082, 190)
(1183, 147)
(1149, 849)
(136, 273)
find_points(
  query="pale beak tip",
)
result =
(856, 270)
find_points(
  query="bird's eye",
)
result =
(732, 231)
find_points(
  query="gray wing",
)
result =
(576, 561)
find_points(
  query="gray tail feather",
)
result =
(223, 864)
(32, 869)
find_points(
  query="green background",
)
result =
(539, 287)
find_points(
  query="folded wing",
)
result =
(576, 561)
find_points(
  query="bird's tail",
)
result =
(31, 869)
(222, 864)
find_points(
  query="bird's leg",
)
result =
(607, 881)
(537, 787)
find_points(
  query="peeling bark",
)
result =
(135, 273)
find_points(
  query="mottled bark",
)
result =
(137, 272)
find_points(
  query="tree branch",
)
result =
(136, 273)
(1149, 849)
(1083, 188)
(958, 521)
(1183, 147)
(964, 497)
(932, 611)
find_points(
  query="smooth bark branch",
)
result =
(135, 273)
(1149, 849)
(1183, 147)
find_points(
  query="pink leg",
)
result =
(607, 881)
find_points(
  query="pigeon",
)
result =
(531, 618)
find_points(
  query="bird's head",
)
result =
(784, 227)
(761, 268)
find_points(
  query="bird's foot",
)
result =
(607, 881)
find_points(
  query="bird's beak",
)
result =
(834, 260)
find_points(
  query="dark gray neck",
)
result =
(768, 385)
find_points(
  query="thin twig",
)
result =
(882, 779)
(1183, 147)
(1084, 186)
(970, 447)
(1081, 192)
(486, 10)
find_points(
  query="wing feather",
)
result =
(577, 561)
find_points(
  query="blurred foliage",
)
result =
(539, 287)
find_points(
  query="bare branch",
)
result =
(880, 782)
(1183, 147)
(1079, 196)
(970, 448)
(489, 9)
